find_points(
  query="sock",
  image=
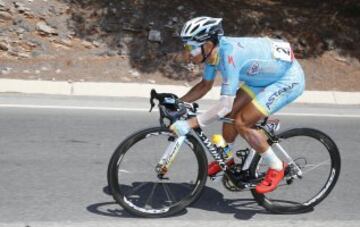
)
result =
(231, 145)
(271, 159)
(228, 150)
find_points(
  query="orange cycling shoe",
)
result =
(271, 181)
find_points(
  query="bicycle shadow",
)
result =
(211, 200)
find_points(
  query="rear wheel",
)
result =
(319, 160)
(135, 184)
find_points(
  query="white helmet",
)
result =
(201, 29)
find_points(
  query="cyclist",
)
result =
(259, 77)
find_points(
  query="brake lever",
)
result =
(182, 107)
(152, 105)
(153, 95)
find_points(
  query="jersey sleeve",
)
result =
(209, 72)
(230, 71)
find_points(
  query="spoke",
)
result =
(137, 188)
(168, 193)
(186, 186)
(149, 199)
(315, 166)
(123, 171)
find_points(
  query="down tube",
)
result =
(211, 148)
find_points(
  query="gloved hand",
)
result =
(181, 127)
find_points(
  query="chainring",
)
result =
(229, 185)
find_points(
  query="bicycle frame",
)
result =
(174, 147)
(215, 153)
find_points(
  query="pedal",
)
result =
(289, 181)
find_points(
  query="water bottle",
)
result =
(213, 168)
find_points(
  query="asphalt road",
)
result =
(54, 152)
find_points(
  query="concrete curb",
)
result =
(143, 90)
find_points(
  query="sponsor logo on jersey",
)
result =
(239, 45)
(231, 61)
(278, 93)
(253, 69)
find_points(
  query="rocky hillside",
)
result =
(134, 40)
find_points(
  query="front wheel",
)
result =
(318, 158)
(135, 183)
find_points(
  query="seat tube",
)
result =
(287, 156)
(249, 159)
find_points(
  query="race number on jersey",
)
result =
(281, 50)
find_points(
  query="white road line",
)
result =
(318, 115)
(74, 107)
(155, 109)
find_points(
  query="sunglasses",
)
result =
(193, 47)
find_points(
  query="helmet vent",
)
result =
(201, 32)
(209, 22)
(187, 29)
(194, 29)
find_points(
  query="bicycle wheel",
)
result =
(317, 156)
(135, 185)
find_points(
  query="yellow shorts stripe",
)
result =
(258, 106)
(252, 94)
(248, 91)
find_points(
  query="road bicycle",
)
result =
(154, 173)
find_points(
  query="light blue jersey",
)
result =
(262, 64)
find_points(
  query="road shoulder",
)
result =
(142, 91)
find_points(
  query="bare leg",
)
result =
(244, 123)
(229, 130)
(245, 120)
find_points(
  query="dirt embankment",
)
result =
(133, 40)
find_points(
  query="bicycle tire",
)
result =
(334, 154)
(118, 195)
